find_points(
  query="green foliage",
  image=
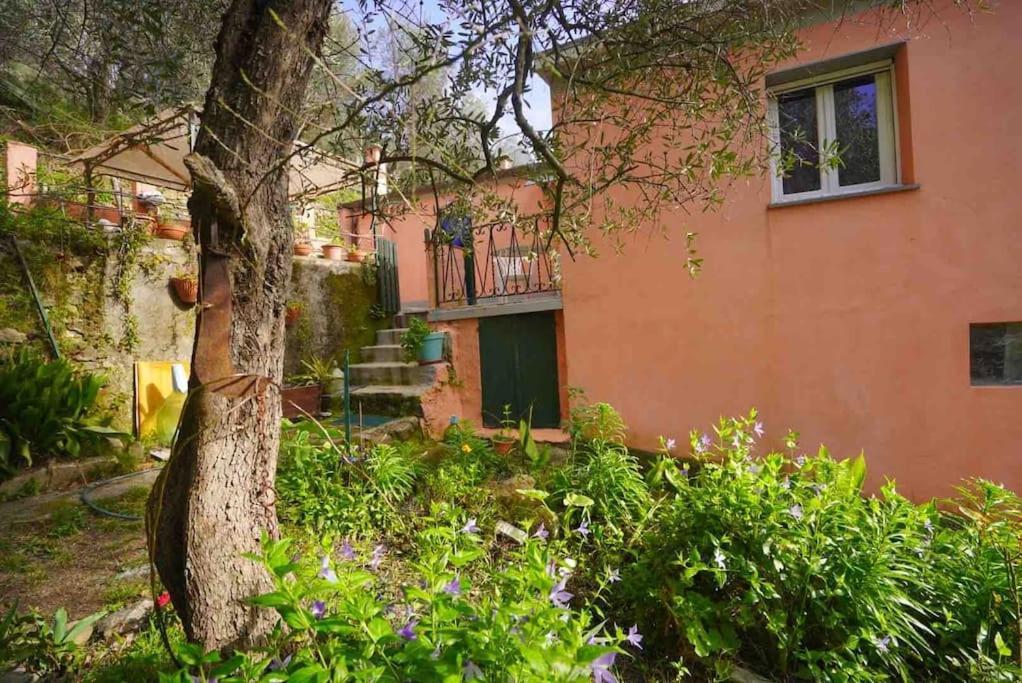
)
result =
(596, 422)
(413, 339)
(336, 626)
(42, 646)
(328, 487)
(785, 565)
(48, 409)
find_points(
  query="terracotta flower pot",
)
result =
(333, 252)
(502, 444)
(355, 256)
(303, 248)
(291, 315)
(173, 230)
(185, 289)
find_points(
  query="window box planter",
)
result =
(295, 400)
(333, 252)
(186, 290)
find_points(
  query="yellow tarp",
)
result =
(157, 405)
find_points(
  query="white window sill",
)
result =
(784, 203)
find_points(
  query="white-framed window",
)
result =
(834, 134)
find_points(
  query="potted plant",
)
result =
(355, 255)
(502, 441)
(186, 287)
(303, 248)
(293, 312)
(173, 228)
(422, 344)
(333, 252)
(305, 394)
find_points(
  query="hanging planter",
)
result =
(303, 248)
(173, 229)
(186, 289)
(333, 252)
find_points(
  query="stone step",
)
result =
(391, 373)
(383, 353)
(392, 336)
(394, 400)
(405, 316)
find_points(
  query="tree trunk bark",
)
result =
(216, 495)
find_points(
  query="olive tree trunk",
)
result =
(216, 494)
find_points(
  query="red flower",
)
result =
(163, 599)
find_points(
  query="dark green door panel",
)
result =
(518, 359)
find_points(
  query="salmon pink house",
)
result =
(873, 305)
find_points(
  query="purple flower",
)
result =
(583, 529)
(634, 637)
(325, 572)
(928, 525)
(671, 443)
(786, 483)
(408, 630)
(453, 587)
(613, 576)
(703, 444)
(883, 643)
(755, 469)
(470, 527)
(800, 460)
(559, 596)
(601, 668)
(454, 419)
(758, 429)
(736, 440)
(541, 532)
(277, 664)
(318, 609)
(377, 558)
(551, 568)
(471, 672)
(347, 552)
(795, 511)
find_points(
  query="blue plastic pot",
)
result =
(432, 350)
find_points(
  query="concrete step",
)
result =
(392, 336)
(405, 316)
(383, 353)
(391, 373)
(394, 400)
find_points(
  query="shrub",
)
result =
(786, 565)
(331, 488)
(335, 626)
(48, 409)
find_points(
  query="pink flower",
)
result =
(163, 599)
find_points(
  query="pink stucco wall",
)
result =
(846, 320)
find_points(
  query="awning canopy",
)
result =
(153, 152)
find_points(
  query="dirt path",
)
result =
(56, 552)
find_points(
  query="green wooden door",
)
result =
(518, 359)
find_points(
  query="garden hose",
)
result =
(92, 505)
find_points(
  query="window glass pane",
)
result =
(796, 114)
(855, 114)
(995, 351)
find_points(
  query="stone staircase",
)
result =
(383, 383)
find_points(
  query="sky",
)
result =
(537, 97)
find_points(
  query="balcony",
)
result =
(490, 269)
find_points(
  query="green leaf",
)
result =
(535, 494)
(577, 500)
(1002, 649)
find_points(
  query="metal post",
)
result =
(347, 398)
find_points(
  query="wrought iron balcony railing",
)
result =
(489, 263)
